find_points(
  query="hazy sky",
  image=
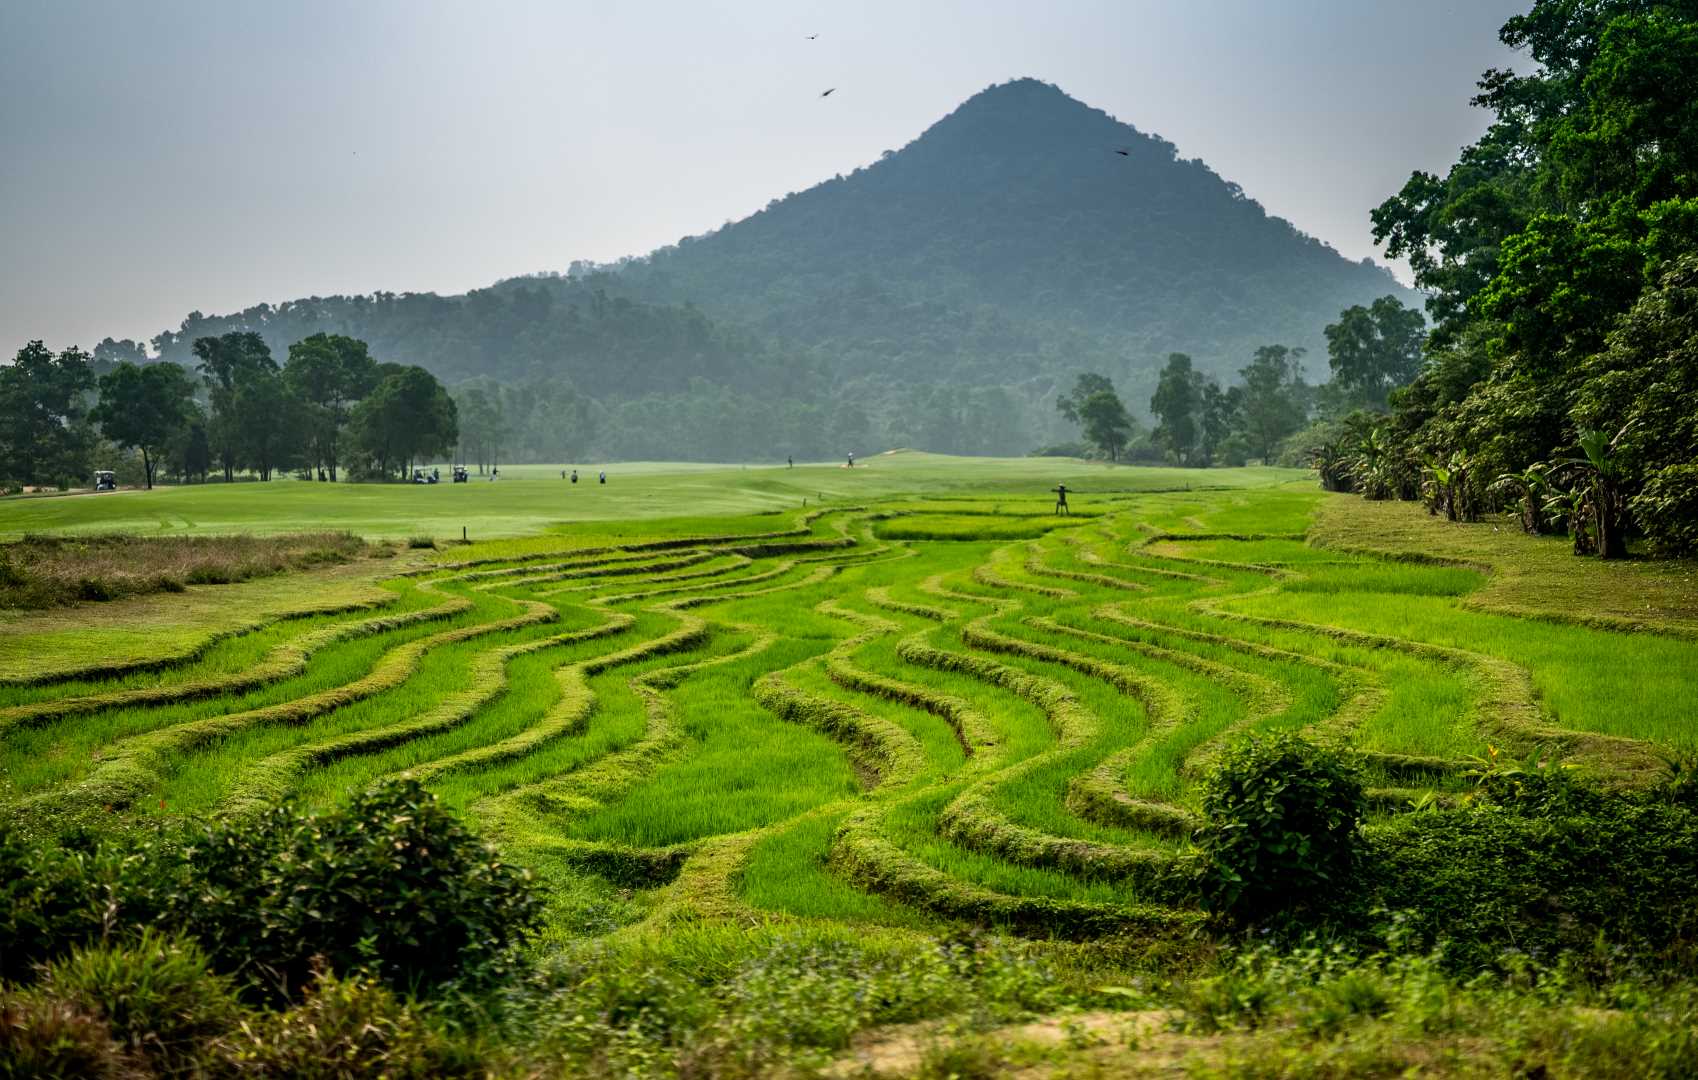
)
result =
(166, 156)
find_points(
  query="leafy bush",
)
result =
(391, 883)
(48, 902)
(1282, 820)
(156, 994)
(44, 1038)
(344, 1029)
(1667, 510)
(1539, 866)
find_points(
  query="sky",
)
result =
(173, 156)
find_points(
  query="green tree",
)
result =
(228, 363)
(1107, 425)
(1373, 351)
(1177, 406)
(43, 434)
(1222, 410)
(144, 408)
(328, 374)
(482, 424)
(1274, 396)
(1071, 405)
(1539, 250)
(407, 417)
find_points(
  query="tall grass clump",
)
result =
(58, 571)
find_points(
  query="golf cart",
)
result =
(461, 476)
(422, 477)
(104, 480)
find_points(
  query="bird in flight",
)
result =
(830, 92)
(812, 37)
(1124, 153)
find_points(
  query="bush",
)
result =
(1539, 866)
(392, 884)
(421, 543)
(1667, 510)
(43, 1039)
(344, 1029)
(157, 996)
(48, 903)
(1282, 820)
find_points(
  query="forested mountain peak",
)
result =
(1021, 224)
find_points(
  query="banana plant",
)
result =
(1600, 475)
(1531, 488)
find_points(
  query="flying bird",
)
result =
(830, 92)
(812, 37)
(1124, 153)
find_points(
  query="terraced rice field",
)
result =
(909, 714)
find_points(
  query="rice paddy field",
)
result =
(920, 702)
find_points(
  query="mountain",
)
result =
(1012, 234)
(939, 297)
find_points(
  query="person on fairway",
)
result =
(574, 476)
(1061, 500)
(604, 476)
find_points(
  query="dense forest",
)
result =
(940, 298)
(1560, 253)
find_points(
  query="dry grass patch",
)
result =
(58, 571)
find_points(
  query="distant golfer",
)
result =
(790, 461)
(574, 476)
(851, 459)
(1061, 500)
(604, 476)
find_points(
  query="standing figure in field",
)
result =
(851, 459)
(604, 476)
(790, 461)
(574, 476)
(1061, 500)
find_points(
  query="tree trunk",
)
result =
(147, 468)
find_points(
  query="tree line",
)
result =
(1560, 257)
(329, 410)
(1271, 411)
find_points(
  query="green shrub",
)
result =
(344, 1029)
(1541, 867)
(44, 1039)
(1282, 820)
(1667, 510)
(421, 542)
(158, 997)
(391, 883)
(48, 902)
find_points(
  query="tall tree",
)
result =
(406, 418)
(328, 373)
(1373, 351)
(1177, 404)
(1069, 405)
(1222, 412)
(1274, 398)
(144, 408)
(228, 363)
(43, 437)
(482, 424)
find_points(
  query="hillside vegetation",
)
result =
(939, 298)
